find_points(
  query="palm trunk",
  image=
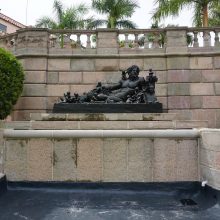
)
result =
(205, 16)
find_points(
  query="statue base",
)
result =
(107, 108)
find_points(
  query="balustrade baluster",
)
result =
(88, 41)
(196, 43)
(78, 42)
(146, 41)
(216, 43)
(136, 45)
(126, 41)
(206, 39)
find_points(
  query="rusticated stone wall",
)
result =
(189, 77)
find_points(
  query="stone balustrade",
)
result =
(133, 39)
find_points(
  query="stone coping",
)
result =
(169, 133)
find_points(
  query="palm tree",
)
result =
(117, 11)
(71, 18)
(173, 7)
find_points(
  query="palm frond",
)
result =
(126, 24)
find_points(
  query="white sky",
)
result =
(35, 9)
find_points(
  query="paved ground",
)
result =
(22, 203)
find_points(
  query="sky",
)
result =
(28, 11)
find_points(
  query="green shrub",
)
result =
(11, 82)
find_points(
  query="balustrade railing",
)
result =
(203, 37)
(142, 38)
(129, 39)
(72, 39)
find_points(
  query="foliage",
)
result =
(214, 19)
(201, 8)
(117, 11)
(11, 78)
(70, 18)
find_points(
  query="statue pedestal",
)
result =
(107, 108)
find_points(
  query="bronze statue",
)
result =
(130, 89)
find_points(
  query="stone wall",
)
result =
(189, 77)
(101, 159)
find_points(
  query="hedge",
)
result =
(11, 82)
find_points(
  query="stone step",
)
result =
(104, 125)
(103, 117)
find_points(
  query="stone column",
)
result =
(107, 41)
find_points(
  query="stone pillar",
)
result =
(32, 41)
(107, 41)
(176, 40)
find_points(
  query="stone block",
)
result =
(139, 160)
(217, 88)
(176, 63)
(106, 125)
(178, 76)
(196, 101)
(57, 90)
(177, 89)
(64, 160)
(150, 124)
(52, 77)
(211, 75)
(210, 140)
(80, 89)
(207, 157)
(125, 63)
(179, 102)
(40, 159)
(35, 76)
(211, 101)
(211, 175)
(50, 102)
(24, 115)
(107, 64)
(59, 64)
(111, 50)
(163, 100)
(89, 159)
(204, 114)
(70, 77)
(161, 90)
(161, 75)
(217, 118)
(15, 166)
(195, 76)
(110, 43)
(115, 160)
(107, 34)
(155, 63)
(164, 160)
(217, 62)
(187, 160)
(82, 65)
(34, 90)
(201, 63)
(191, 124)
(184, 114)
(39, 64)
(201, 89)
(55, 125)
(104, 77)
(29, 103)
